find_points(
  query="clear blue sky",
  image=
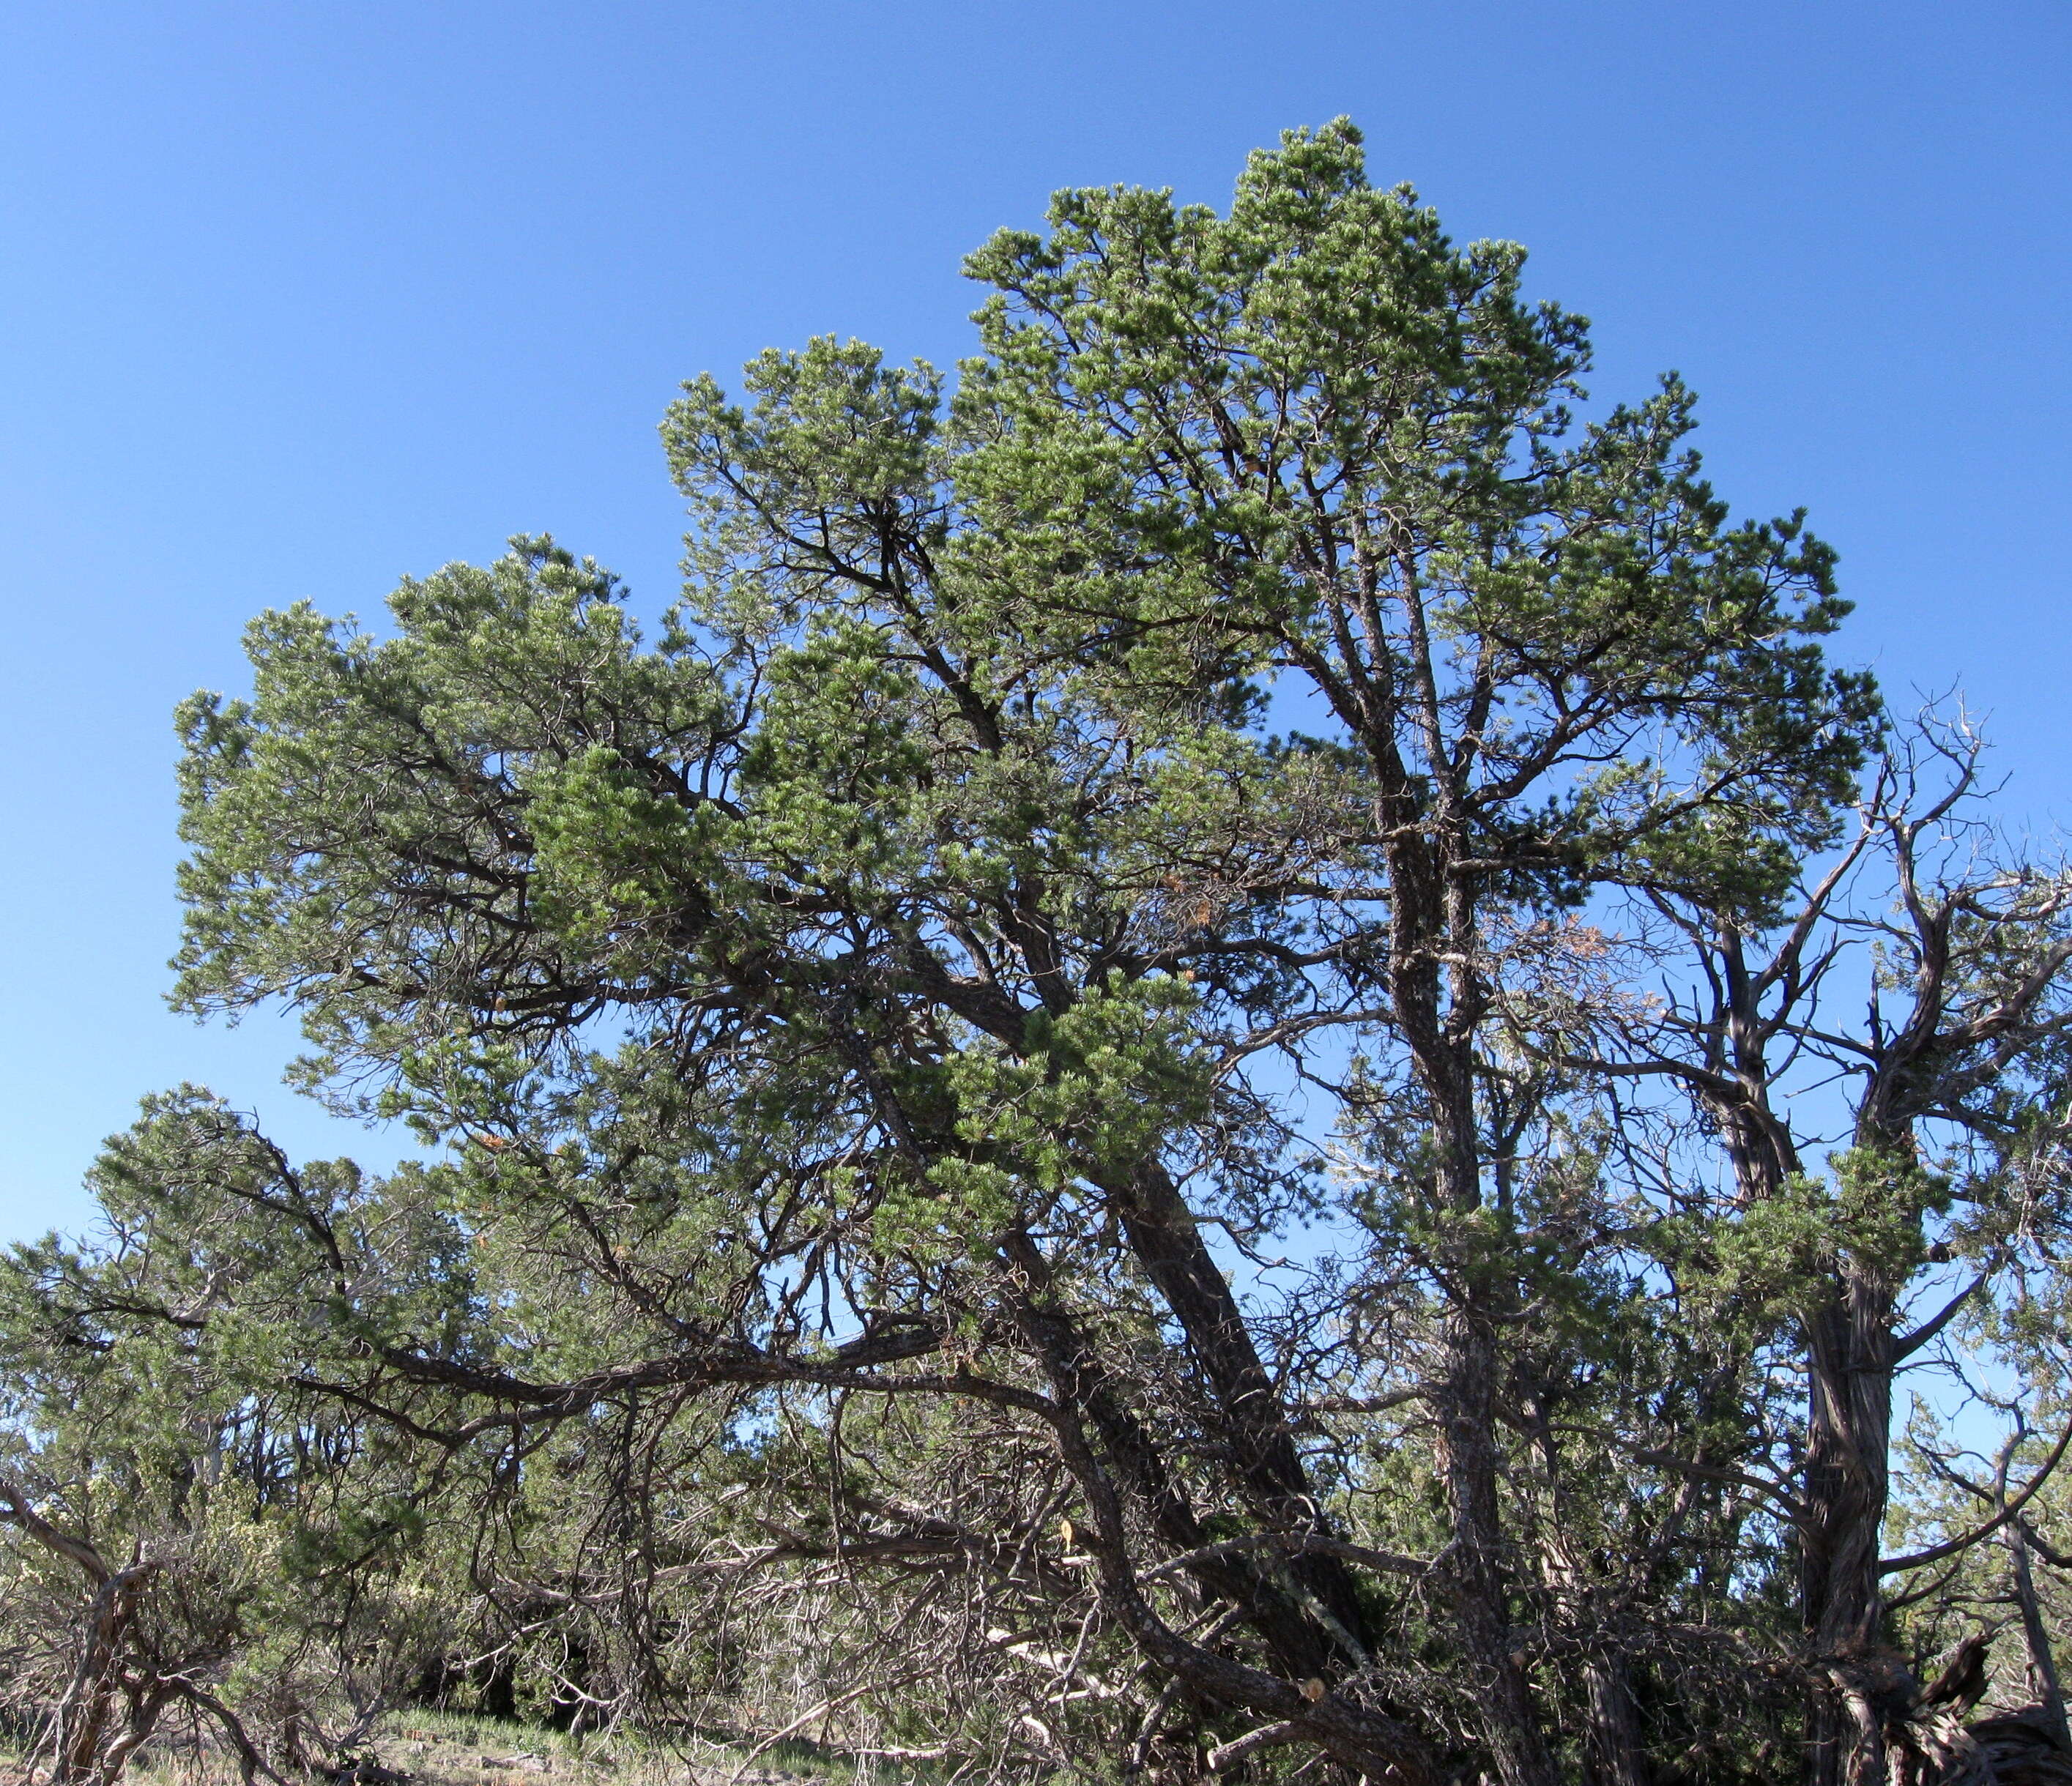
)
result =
(303, 297)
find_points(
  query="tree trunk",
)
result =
(2042, 1660)
(1300, 1643)
(1613, 1752)
(83, 1715)
(1848, 1432)
(1470, 1464)
(1167, 1241)
(1436, 923)
(1368, 1741)
(144, 1707)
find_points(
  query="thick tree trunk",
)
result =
(81, 1738)
(1167, 1241)
(1613, 1752)
(2042, 1658)
(1848, 1432)
(1469, 1462)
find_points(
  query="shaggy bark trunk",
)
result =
(1849, 1430)
(81, 1731)
(2042, 1660)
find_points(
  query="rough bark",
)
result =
(2042, 1657)
(1434, 920)
(1849, 1418)
(1365, 1739)
(1301, 1644)
(1613, 1753)
(1167, 1241)
(85, 1753)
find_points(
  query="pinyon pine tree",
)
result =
(1144, 1103)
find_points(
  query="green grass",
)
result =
(447, 1748)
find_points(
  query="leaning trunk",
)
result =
(1166, 1239)
(85, 1754)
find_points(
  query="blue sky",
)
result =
(304, 298)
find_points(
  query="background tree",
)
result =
(199, 1541)
(1945, 1106)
